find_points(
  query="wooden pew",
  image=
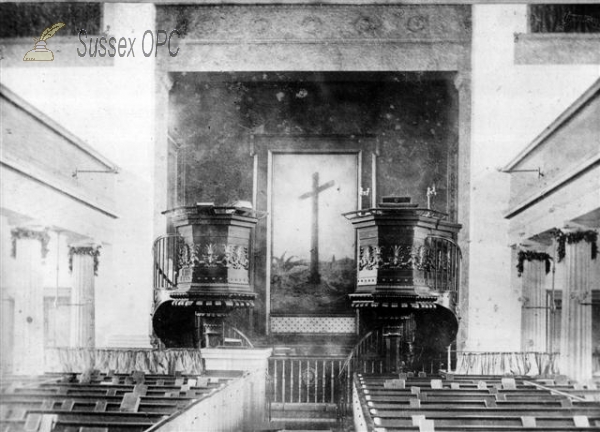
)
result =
(492, 412)
(484, 421)
(473, 404)
(95, 400)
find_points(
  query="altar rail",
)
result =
(305, 379)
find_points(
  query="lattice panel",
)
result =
(331, 324)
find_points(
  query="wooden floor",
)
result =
(473, 403)
(101, 402)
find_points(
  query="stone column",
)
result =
(576, 320)
(29, 249)
(533, 312)
(83, 262)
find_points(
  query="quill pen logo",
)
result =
(40, 52)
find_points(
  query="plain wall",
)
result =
(512, 104)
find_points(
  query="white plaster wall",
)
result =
(511, 105)
(124, 303)
(112, 109)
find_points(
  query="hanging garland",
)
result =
(563, 238)
(85, 250)
(532, 256)
(24, 233)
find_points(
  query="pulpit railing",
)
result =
(234, 337)
(442, 267)
(367, 355)
(166, 265)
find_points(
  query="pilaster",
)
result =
(83, 263)
(576, 320)
(163, 85)
(461, 188)
(533, 309)
(29, 247)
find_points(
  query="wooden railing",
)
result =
(313, 380)
(166, 265)
(367, 355)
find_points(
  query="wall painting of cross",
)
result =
(314, 238)
(312, 259)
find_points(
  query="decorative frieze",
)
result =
(401, 257)
(323, 22)
(211, 255)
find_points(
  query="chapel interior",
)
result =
(330, 217)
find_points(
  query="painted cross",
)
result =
(314, 246)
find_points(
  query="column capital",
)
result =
(31, 233)
(532, 255)
(574, 235)
(87, 249)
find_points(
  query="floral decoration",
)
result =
(532, 256)
(25, 233)
(85, 250)
(563, 238)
